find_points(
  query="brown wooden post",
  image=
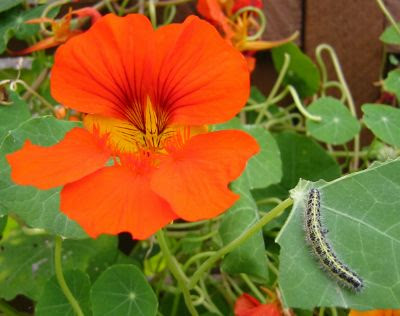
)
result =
(353, 29)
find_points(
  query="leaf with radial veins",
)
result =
(123, 290)
(384, 122)
(53, 301)
(38, 208)
(337, 126)
(362, 214)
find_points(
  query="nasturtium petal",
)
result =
(384, 122)
(123, 290)
(105, 69)
(37, 208)
(337, 126)
(264, 168)
(78, 154)
(361, 213)
(201, 78)
(194, 179)
(116, 199)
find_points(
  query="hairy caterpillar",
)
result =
(321, 248)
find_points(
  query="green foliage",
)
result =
(390, 36)
(53, 301)
(3, 224)
(302, 72)
(361, 212)
(38, 208)
(392, 83)
(384, 122)
(27, 261)
(250, 257)
(8, 4)
(303, 158)
(11, 116)
(123, 290)
(12, 23)
(338, 126)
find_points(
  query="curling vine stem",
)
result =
(300, 106)
(60, 277)
(176, 271)
(261, 16)
(206, 265)
(388, 15)
(346, 91)
(275, 88)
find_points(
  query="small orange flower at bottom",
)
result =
(247, 305)
(148, 95)
(377, 312)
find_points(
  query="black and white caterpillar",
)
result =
(322, 250)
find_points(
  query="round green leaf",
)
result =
(53, 301)
(338, 126)
(361, 212)
(383, 121)
(123, 290)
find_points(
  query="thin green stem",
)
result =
(206, 265)
(269, 200)
(321, 311)
(13, 87)
(300, 106)
(186, 225)
(388, 15)
(346, 91)
(334, 311)
(275, 88)
(261, 16)
(197, 257)
(253, 288)
(60, 278)
(176, 271)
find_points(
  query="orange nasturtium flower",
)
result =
(237, 28)
(148, 95)
(247, 305)
(377, 312)
(61, 29)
